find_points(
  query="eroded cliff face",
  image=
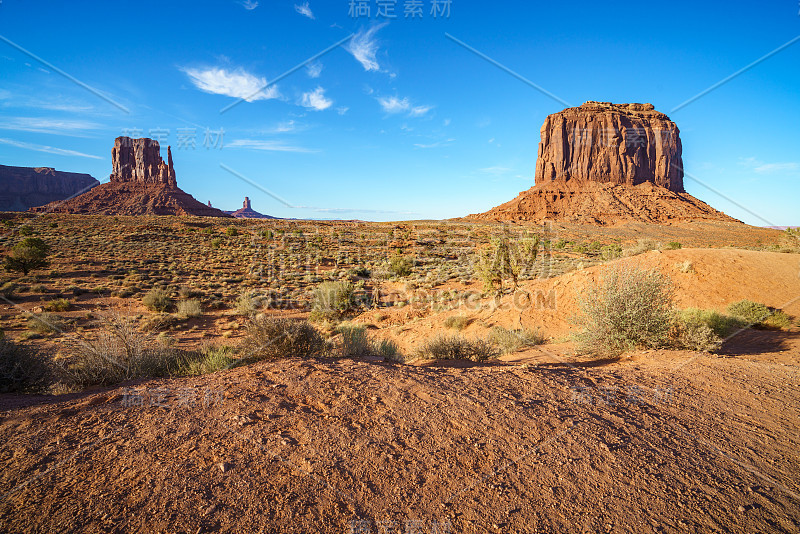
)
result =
(25, 187)
(610, 143)
(139, 160)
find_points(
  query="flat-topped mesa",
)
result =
(610, 143)
(139, 160)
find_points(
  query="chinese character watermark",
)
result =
(388, 9)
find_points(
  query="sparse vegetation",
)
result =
(752, 313)
(401, 265)
(456, 322)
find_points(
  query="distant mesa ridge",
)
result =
(141, 183)
(603, 163)
(22, 188)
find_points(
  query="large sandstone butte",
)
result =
(24, 187)
(141, 183)
(604, 163)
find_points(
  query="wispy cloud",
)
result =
(496, 170)
(304, 10)
(393, 105)
(437, 144)
(342, 110)
(249, 5)
(47, 149)
(48, 125)
(364, 47)
(761, 167)
(314, 69)
(272, 146)
(316, 100)
(237, 83)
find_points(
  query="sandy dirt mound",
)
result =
(715, 278)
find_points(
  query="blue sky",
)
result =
(399, 121)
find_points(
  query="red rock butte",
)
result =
(141, 183)
(603, 163)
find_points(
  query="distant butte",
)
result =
(602, 163)
(141, 183)
(247, 212)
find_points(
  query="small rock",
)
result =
(225, 466)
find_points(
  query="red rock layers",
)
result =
(603, 163)
(141, 183)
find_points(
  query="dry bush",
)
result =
(641, 246)
(456, 348)
(457, 322)
(629, 308)
(513, 340)
(121, 352)
(270, 338)
(209, 360)
(46, 323)
(189, 308)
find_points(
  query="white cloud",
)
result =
(316, 100)
(47, 125)
(419, 111)
(342, 110)
(249, 5)
(364, 47)
(304, 10)
(272, 146)
(393, 104)
(314, 69)
(236, 83)
(47, 149)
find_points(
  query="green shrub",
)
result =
(216, 242)
(266, 234)
(8, 290)
(272, 338)
(456, 322)
(698, 336)
(720, 324)
(248, 304)
(753, 313)
(331, 299)
(401, 265)
(157, 300)
(389, 350)
(513, 340)
(23, 369)
(611, 252)
(25, 230)
(209, 360)
(27, 255)
(355, 341)
(58, 305)
(778, 319)
(456, 348)
(231, 231)
(629, 308)
(674, 245)
(189, 308)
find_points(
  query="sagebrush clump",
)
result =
(628, 308)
